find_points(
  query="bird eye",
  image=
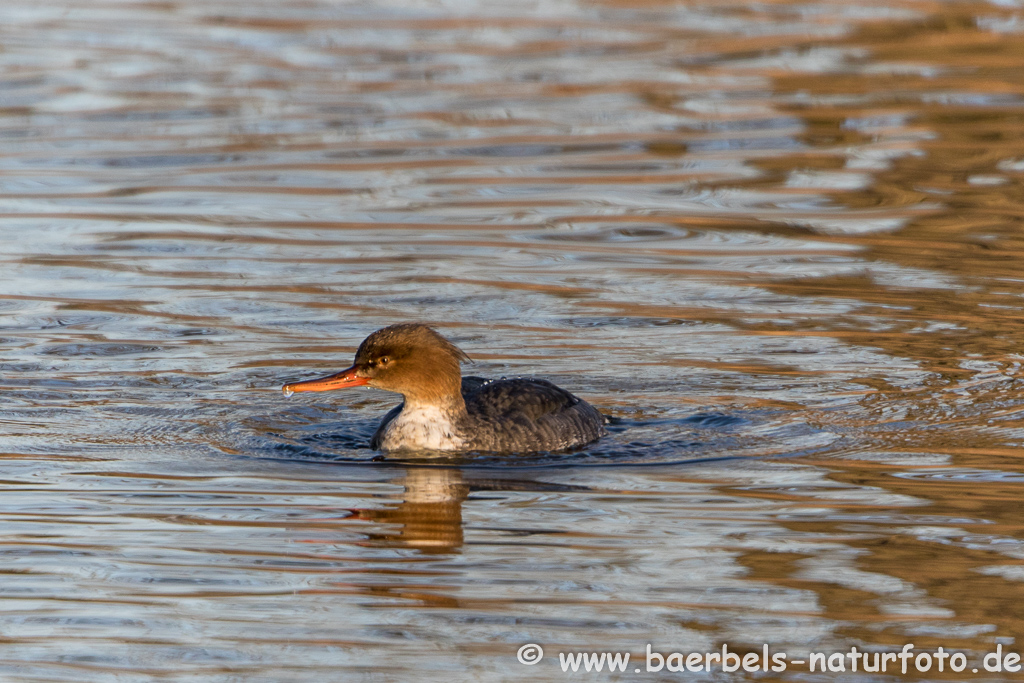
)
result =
(384, 360)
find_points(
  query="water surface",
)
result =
(778, 243)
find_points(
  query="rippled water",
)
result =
(778, 243)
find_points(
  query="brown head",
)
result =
(409, 359)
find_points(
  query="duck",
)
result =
(444, 411)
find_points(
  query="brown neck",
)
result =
(439, 384)
(452, 403)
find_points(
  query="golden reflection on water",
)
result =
(429, 517)
(782, 234)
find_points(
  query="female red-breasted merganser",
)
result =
(447, 412)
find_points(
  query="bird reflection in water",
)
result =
(429, 517)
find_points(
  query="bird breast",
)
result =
(422, 427)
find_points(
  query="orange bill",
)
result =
(341, 380)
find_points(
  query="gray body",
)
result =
(515, 416)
